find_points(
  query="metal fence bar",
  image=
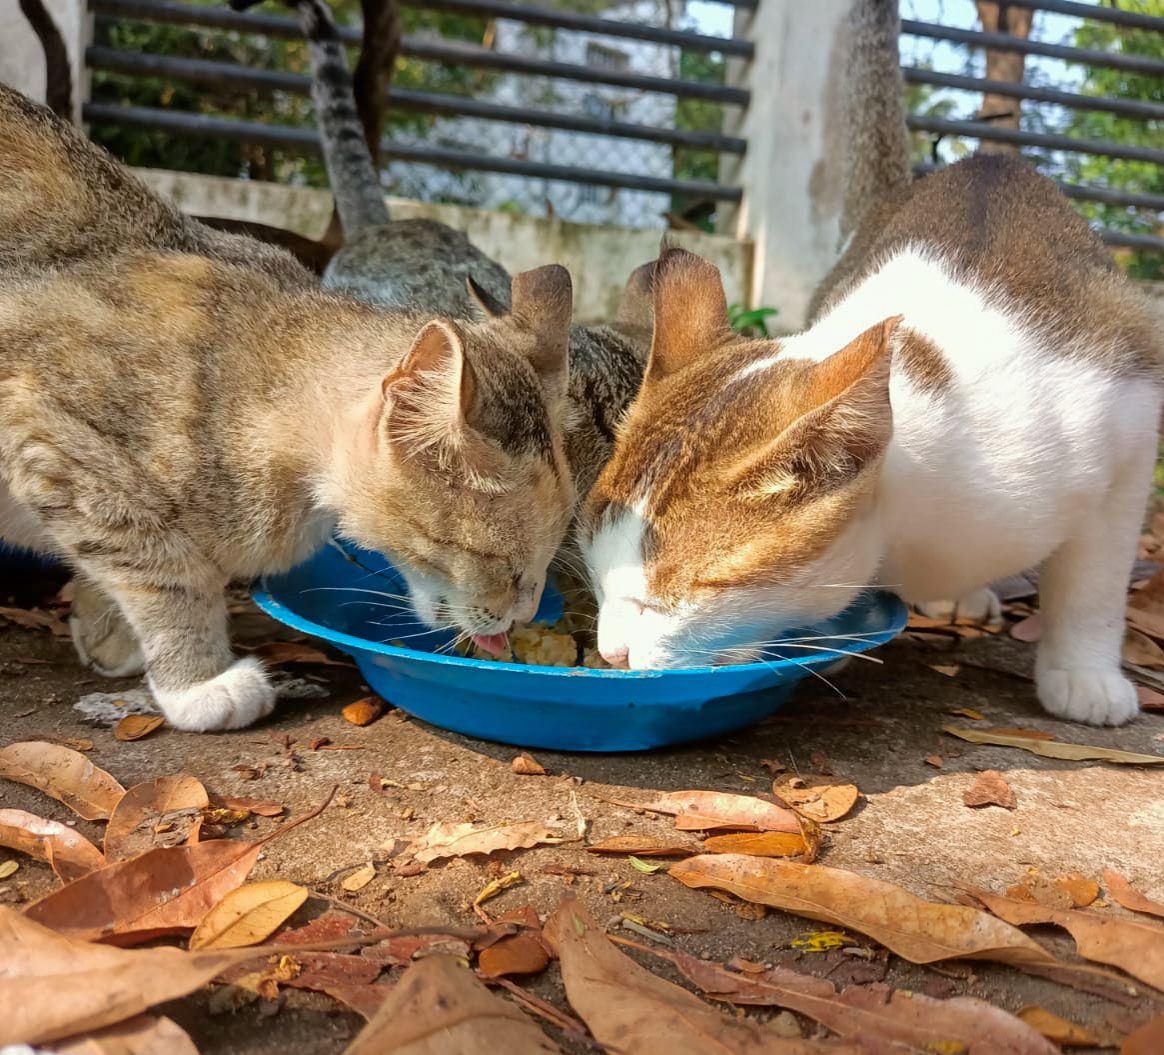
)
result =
(230, 74)
(1047, 140)
(1133, 241)
(454, 53)
(1134, 108)
(1095, 13)
(298, 138)
(607, 27)
(1005, 42)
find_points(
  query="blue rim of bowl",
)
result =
(350, 643)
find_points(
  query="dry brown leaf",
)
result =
(1147, 1040)
(950, 670)
(1058, 1029)
(66, 775)
(629, 1009)
(764, 844)
(640, 846)
(137, 726)
(881, 1020)
(527, 766)
(359, 879)
(989, 789)
(36, 619)
(261, 807)
(161, 812)
(968, 713)
(1135, 947)
(919, 930)
(165, 891)
(818, 801)
(1081, 890)
(1146, 607)
(1018, 730)
(1141, 651)
(67, 850)
(277, 653)
(143, 1035)
(1028, 630)
(438, 1008)
(1055, 748)
(710, 810)
(934, 760)
(53, 987)
(363, 712)
(459, 840)
(1150, 699)
(1122, 892)
(518, 954)
(248, 915)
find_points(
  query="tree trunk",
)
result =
(1001, 110)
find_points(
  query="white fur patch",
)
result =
(239, 696)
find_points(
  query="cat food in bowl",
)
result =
(352, 599)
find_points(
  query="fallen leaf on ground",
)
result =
(919, 930)
(968, 713)
(527, 765)
(877, 1017)
(496, 886)
(248, 915)
(67, 776)
(518, 954)
(1146, 607)
(359, 879)
(260, 807)
(1150, 699)
(765, 844)
(989, 789)
(53, 987)
(36, 619)
(1018, 730)
(1058, 1029)
(949, 670)
(934, 760)
(1122, 892)
(277, 653)
(643, 866)
(67, 850)
(137, 726)
(1028, 630)
(363, 712)
(9, 868)
(640, 846)
(1147, 1040)
(1055, 748)
(459, 840)
(161, 812)
(438, 1007)
(348, 979)
(817, 801)
(1141, 651)
(1081, 890)
(1135, 947)
(629, 1009)
(143, 1035)
(709, 810)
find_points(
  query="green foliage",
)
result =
(1135, 176)
(751, 322)
(697, 115)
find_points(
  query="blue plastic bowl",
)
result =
(562, 708)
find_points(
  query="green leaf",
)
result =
(643, 866)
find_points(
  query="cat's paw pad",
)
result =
(108, 646)
(980, 606)
(1097, 697)
(240, 695)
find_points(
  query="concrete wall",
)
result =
(22, 57)
(599, 257)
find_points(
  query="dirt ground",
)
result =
(910, 827)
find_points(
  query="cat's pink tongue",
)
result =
(494, 644)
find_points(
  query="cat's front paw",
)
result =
(240, 695)
(102, 637)
(1097, 697)
(980, 606)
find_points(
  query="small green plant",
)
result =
(751, 322)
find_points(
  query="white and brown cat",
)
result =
(980, 392)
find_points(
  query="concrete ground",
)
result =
(910, 827)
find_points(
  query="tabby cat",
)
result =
(170, 421)
(980, 391)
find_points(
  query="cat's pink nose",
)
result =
(616, 657)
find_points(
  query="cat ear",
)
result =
(490, 306)
(690, 311)
(636, 307)
(845, 426)
(543, 301)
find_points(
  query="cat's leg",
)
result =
(1082, 600)
(101, 636)
(197, 682)
(979, 606)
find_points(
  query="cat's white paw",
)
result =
(980, 606)
(1097, 697)
(240, 695)
(113, 652)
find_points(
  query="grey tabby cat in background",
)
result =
(426, 265)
